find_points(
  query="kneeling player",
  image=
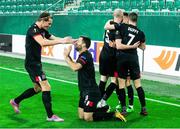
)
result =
(89, 91)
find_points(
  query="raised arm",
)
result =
(52, 40)
(73, 65)
(109, 26)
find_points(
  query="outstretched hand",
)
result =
(68, 39)
(74, 41)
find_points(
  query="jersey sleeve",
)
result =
(117, 26)
(47, 35)
(143, 38)
(112, 22)
(119, 29)
(82, 60)
(34, 32)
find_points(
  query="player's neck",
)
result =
(83, 50)
(132, 23)
(38, 24)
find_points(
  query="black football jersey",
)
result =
(33, 48)
(109, 35)
(86, 75)
(129, 34)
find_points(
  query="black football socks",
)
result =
(46, 98)
(102, 86)
(26, 94)
(141, 96)
(121, 96)
(109, 90)
(130, 94)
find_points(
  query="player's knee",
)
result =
(128, 82)
(121, 82)
(121, 86)
(88, 118)
(137, 86)
(137, 83)
(104, 78)
(37, 88)
(45, 86)
(114, 80)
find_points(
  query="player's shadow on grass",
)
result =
(17, 118)
(44, 123)
(130, 122)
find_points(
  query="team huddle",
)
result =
(118, 60)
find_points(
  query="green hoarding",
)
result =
(159, 30)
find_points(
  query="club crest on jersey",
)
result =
(35, 30)
(117, 32)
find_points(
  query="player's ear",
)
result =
(83, 44)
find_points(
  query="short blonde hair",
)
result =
(118, 13)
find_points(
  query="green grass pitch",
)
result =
(65, 100)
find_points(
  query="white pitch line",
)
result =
(51, 78)
(60, 80)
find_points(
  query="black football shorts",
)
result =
(107, 62)
(128, 65)
(88, 101)
(36, 73)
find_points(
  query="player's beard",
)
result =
(46, 27)
(78, 48)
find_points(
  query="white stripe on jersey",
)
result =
(39, 78)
